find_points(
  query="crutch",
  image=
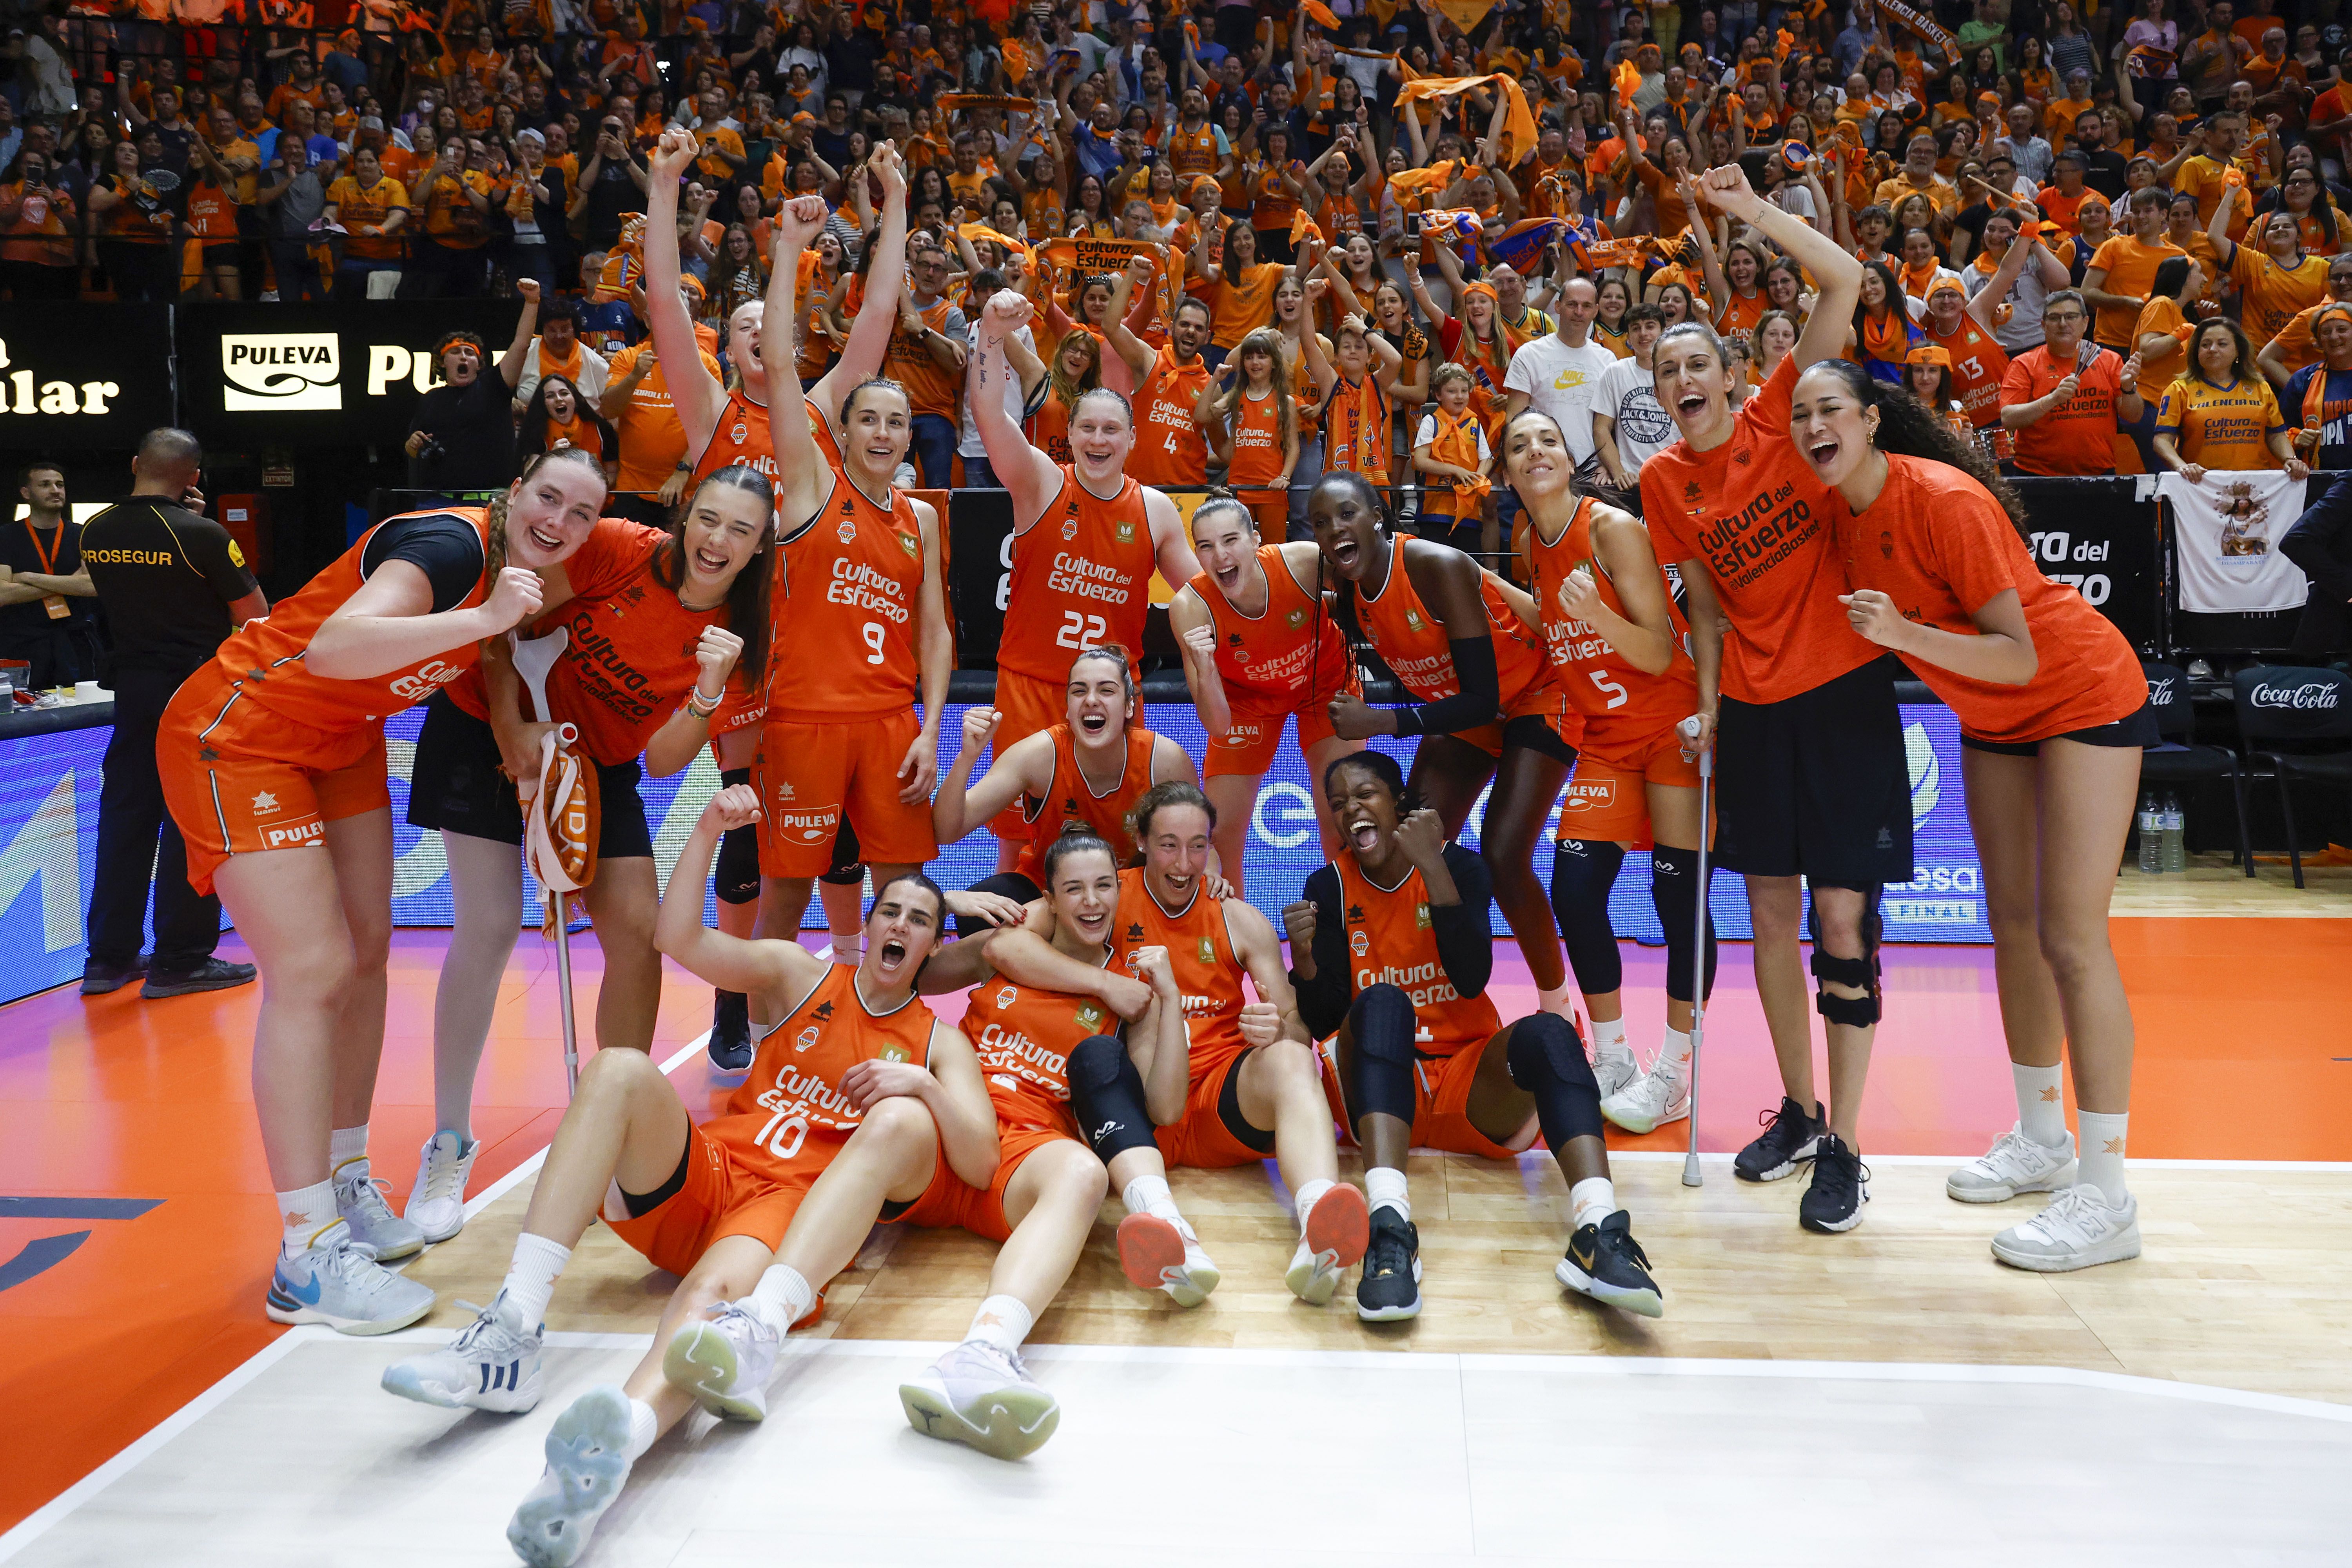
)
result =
(534, 658)
(1689, 730)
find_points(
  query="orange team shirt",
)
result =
(1413, 643)
(652, 438)
(2160, 369)
(2077, 436)
(2131, 271)
(1257, 442)
(1191, 153)
(1081, 578)
(1942, 549)
(1237, 310)
(1742, 312)
(1357, 420)
(1048, 429)
(1392, 941)
(931, 387)
(1751, 512)
(744, 437)
(847, 591)
(1614, 698)
(1070, 800)
(372, 206)
(1276, 657)
(1201, 956)
(2271, 295)
(1272, 206)
(1024, 1038)
(1978, 362)
(451, 219)
(793, 1093)
(211, 212)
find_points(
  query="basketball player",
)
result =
(272, 759)
(2053, 714)
(1813, 786)
(1466, 644)
(1253, 1081)
(1259, 649)
(649, 659)
(1391, 949)
(1623, 657)
(859, 598)
(855, 1075)
(1085, 537)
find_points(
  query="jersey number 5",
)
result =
(1609, 689)
(1082, 630)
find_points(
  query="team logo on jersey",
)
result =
(847, 533)
(1070, 529)
(1127, 533)
(1421, 916)
(1090, 1017)
(1412, 620)
(894, 1053)
(805, 1038)
(740, 434)
(906, 543)
(1297, 619)
(1208, 951)
(1360, 943)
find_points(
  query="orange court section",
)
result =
(125, 1099)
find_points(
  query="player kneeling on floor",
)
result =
(1390, 951)
(854, 1079)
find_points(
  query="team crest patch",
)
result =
(739, 434)
(1297, 619)
(805, 1038)
(1421, 916)
(1007, 996)
(894, 1053)
(1127, 533)
(1208, 951)
(847, 533)
(1070, 529)
(1090, 1017)
(906, 543)
(1412, 620)
(1360, 943)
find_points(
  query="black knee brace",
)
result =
(1107, 1097)
(1004, 884)
(848, 868)
(1381, 1024)
(738, 878)
(1583, 872)
(1547, 1060)
(1675, 894)
(1859, 1012)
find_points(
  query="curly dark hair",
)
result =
(1910, 429)
(1385, 768)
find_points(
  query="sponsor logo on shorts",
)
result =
(264, 804)
(294, 835)
(1588, 794)
(784, 791)
(807, 826)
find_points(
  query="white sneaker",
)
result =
(1157, 1255)
(1613, 1067)
(336, 1281)
(979, 1395)
(360, 1202)
(2014, 1164)
(726, 1359)
(437, 1205)
(1657, 1096)
(492, 1364)
(587, 1466)
(2080, 1229)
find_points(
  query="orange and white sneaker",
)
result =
(1339, 1227)
(1159, 1255)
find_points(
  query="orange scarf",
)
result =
(567, 367)
(1456, 442)
(1916, 278)
(1886, 338)
(1358, 424)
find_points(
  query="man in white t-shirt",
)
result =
(1629, 424)
(1560, 374)
(976, 474)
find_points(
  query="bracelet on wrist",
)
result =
(699, 705)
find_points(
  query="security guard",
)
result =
(174, 586)
(47, 614)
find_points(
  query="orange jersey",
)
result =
(1979, 363)
(1024, 1038)
(1391, 942)
(1168, 447)
(1069, 798)
(1596, 680)
(1358, 428)
(1081, 578)
(1191, 153)
(1048, 429)
(1257, 442)
(1413, 643)
(793, 1093)
(1200, 955)
(847, 591)
(931, 387)
(1289, 653)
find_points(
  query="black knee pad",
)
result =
(848, 869)
(1004, 884)
(1381, 1024)
(737, 880)
(1107, 1097)
(1547, 1060)
(1858, 1012)
(1675, 894)
(1583, 872)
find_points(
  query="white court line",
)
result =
(529, 1167)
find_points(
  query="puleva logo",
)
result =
(270, 371)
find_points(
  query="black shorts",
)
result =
(221, 255)
(2136, 730)
(1816, 784)
(1533, 732)
(455, 786)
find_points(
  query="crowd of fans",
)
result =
(2099, 242)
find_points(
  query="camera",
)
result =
(1412, 225)
(431, 452)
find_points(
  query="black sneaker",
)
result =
(1607, 1264)
(1391, 1287)
(730, 1032)
(1787, 1140)
(1841, 1187)
(104, 979)
(212, 974)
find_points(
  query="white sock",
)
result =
(782, 1298)
(530, 1277)
(2040, 1103)
(1385, 1184)
(2102, 1151)
(1674, 1054)
(1607, 1034)
(1149, 1194)
(305, 1211)
(1592, 1200)
(1002, 1322)
(643, 1427)
(346, 1144)
(1308, 1193)
(1557, 998)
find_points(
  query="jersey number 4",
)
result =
(1609, 689)
(1082, 630)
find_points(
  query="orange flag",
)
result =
(1519, 136)
(1464, 14)
(1628, 80)
(1321, 14)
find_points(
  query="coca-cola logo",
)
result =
(2160, 691)
(2317, 694)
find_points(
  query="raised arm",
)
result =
(1196, 638)
(694, 391)
(877, 312)
(517, 354)
(1837, 274)
(1131, 280)
(961, 806)
(1032, 478)
(804, 478)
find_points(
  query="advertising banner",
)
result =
(2100, 536)
(75, 378)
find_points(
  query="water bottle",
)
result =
(2151, 834)
(2175, 834)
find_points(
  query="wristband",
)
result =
(699, 705)
(1408, 720)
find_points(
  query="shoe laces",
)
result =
(486, 1322)
(2014, 1150)
(443, 1178)
(1838, 1166)
(353, 1262)
(744, 1324)
(1623, 1243)
(2077, 1214)
(1389, 1253)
